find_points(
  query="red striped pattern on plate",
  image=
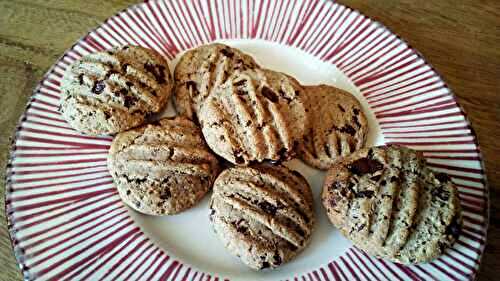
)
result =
(67, 222)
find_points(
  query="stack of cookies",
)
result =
(237, 123)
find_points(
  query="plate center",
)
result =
(189, 237)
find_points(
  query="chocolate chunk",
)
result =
(333, 202)
(341, 108)
(80, 79)
(364, 165)
(165, 194)
(129, 101)
(440, 193)
(283, 153)
(106, 115)
(265, 265)
(124, 67)
(355, 111)
(364, 194)
(240, 83)
(277, 259)
(383, 182)
(442, 177)
(327, 150)
(192, 85)
(268, 207)
(98, 87)
(284, 96)
(348, 129)
(157, 70)
(239, 159)
(227, 53)
(361, 227)
(454, 228)
(129, 84)
(269, 94)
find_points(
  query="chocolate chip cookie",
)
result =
(340, 127)
(390, 204)
(112, 91)
(202, 69)
(263, 214)
(162, 168)
(256, 115)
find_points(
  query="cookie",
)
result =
(256, 115)
(340, 127)
(263, 214)
(112, 91)
(162, 168)
(200, 70)
(390, 204)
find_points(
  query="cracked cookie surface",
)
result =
(390, 204)
(111, 91)
(162, 168)
(263, 214)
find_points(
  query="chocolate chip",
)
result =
(80, 79)
(454, 228)
(157, 70)
(129, 101)
(227, 53)
(394, 179)
(375, 178)
(348, 129)
(269, 94)
(355, 111)
(341, 108)
(283, 153)
(364, 194)
(361, 227)
(334, 186)
(277, 259)
(442, 177)
(192, 85)
(356, 121)
(98, 87)
(440, 193)
(154, 93)
(265, 265)
(383, 182)
(129, 84)
(240, 83)
(124, 67)
(364, 165)
(284, 96)
(107, 115)
(333, 202)
(268, 207)
(165, 194)
(239, 159)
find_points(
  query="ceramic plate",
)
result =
(66, 219)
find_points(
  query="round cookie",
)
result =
(340, 127)
(114, 90)
(200, 70)
(256, 115)
(391, 205)
(263, 214)
(162, 168)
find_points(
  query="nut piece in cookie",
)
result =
(112, 91)
(162, 168)
(202, 69)
(340, 127)
(390, 204)
(263, 214)
(256, 115)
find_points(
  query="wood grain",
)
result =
(459, 38)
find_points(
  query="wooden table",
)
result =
(459, 38)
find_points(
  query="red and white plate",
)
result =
(67, 221)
